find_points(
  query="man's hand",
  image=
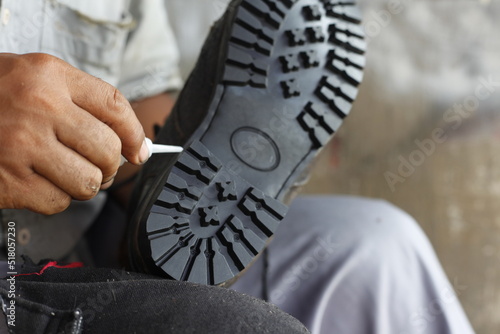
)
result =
(62, 132)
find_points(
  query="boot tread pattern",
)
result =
(208, 243)
(209, 221)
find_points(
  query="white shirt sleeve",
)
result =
(150, 60)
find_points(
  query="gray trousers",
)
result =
(341, 265)
(352, 265)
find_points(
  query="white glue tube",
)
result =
(157, 148)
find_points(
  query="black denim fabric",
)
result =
(93, 300)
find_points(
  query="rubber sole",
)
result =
(290, 76)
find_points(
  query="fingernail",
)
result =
(94, 188)
(144, 152)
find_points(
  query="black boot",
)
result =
(273, 83)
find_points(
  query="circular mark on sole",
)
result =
(255, 148)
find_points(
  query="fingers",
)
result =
(92, 139)
(107, 184)
(69, 171)
(47, 199)
(107, 104)
(62, 133)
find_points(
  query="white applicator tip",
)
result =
(157, 148)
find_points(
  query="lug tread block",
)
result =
(262, 10)
(251, 240)
(244, 70)
(265, 212)
(177, 262)
(173, 200)
(239, 57)
(159, 225)
(311, 13)
(351, 74)
(237, 251)
(277, 6)
(276, 208)
(296, 37)
(241, 77)
(336, 103)
(346, 57)
(176, 183)
(163, 249)
(251, 23)
(289, 63)
(199, 150)
(290, 88)
(249, 40)
(198, 161)
(223, 270)
(343, 11)
(289, 3)
(338, 2)
(260, 66)
(316, 34)
(353, 44)
(200, 265)
(209, 216)
(355, 30)
(209, 254)
(205, 273)
(347, 91)
(352, 14)
(310, 58)
(318, 123)
(347, 28)
(318, 133)
(227, 191)
(194, 251)
(195, 167)
(236, 76)
(195, 269)
(340, 106)
(242, 59)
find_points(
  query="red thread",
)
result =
(53, 264)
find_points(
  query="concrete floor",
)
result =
(408, 140)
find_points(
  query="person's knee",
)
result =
(394, 220)
(387, 229)
(348, 224)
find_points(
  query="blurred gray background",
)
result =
(424, 133)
